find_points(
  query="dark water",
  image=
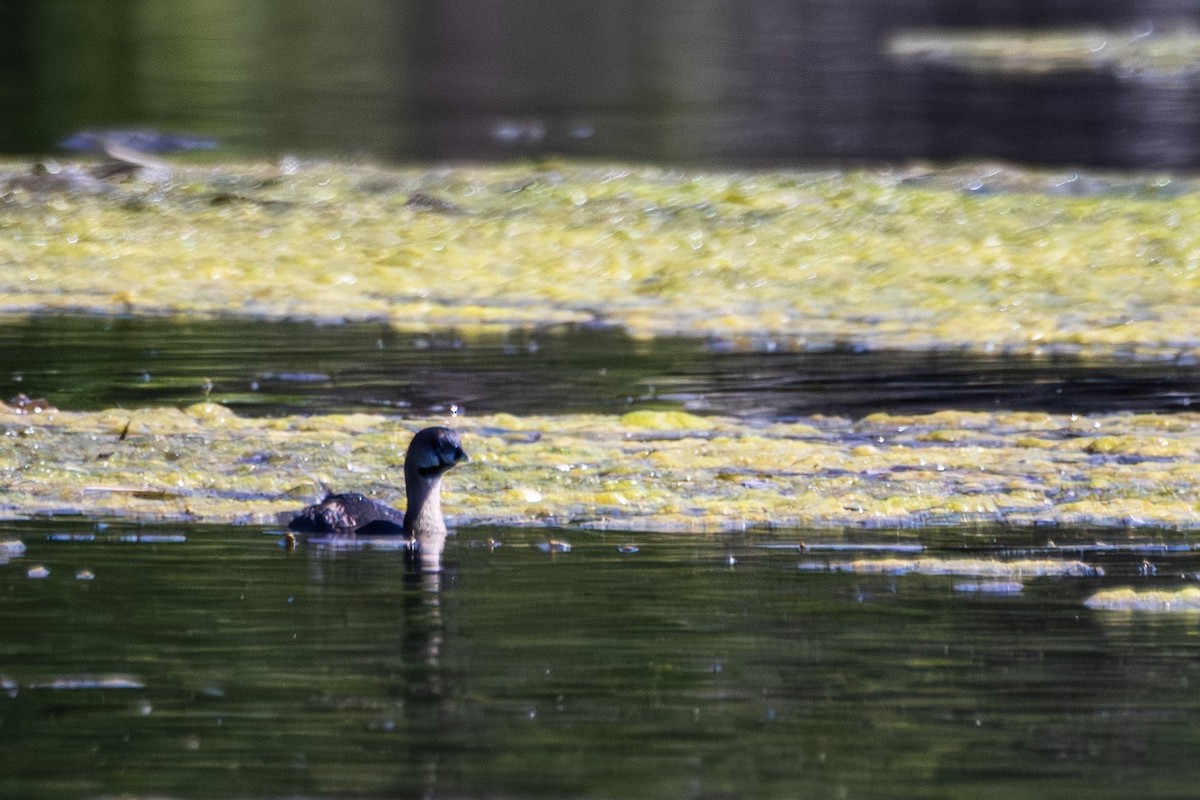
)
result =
(214, 663)
(750, 82)
(256, 368)
(208, 661)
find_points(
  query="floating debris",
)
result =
(10, 549)
(24, 404)
(85, 575)
(984, 568)
(489, 543)
(1158, 600)
(990, 587)
(115, 681)
(627, 548)
(142, 140)
(357, 542)
(554, 546)
(152, 538)
(141, 493)
(296, 377)
(120, 538)
(1123, 547)
(888, 547)
(37, 572)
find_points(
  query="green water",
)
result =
(215, 663)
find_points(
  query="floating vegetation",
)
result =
(982, 258)
(203, 463)
(1162, 600)
(1144, 55)
(979, 567)
(979, 258)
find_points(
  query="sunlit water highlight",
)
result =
(211, 661)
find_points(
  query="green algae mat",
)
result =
(644, 470)
(1146, 56)
(979, 258)
(984, 258)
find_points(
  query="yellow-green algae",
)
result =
(1185, 600)
(1145, 55)
(985, 258)
(971, 567)
(647, 470)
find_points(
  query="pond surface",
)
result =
(212, 662)
(209, 661)
(714, 82)
(88, 363)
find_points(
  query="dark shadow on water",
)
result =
(83, 363)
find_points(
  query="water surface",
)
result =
(210, 661)
(718, 81)
(201, 661)
(86, 363)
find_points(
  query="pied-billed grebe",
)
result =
(431, 453)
